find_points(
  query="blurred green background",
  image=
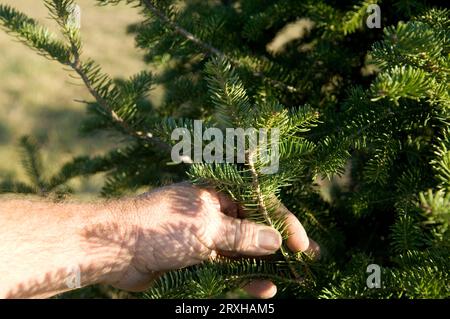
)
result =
(37, 97)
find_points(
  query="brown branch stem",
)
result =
(264, 212)
(76, 66)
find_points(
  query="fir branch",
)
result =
(42, 40)
(406, 234)
(10, 186)
(32, 162)
(181, 31)
(354, 19)
(227, 93)
(33, 35)
(264, 212)
(208, 48)
(81, 71)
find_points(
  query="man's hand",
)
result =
(182, 225)
(48, 248)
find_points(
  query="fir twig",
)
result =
(263, 211)
(76, 65)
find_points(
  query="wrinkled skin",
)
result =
(182, 225)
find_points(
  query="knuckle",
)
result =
(244, 235)
(237, 235)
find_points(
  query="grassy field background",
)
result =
(37, 95)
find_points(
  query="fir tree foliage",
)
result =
(365, 109)
(38, 183)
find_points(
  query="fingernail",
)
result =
(269, 239)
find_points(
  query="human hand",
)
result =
(182, 225)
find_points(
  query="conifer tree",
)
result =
(370, 105)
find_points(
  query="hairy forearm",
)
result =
(47, 248)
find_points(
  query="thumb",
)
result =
(245, 237)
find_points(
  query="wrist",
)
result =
(108, 241)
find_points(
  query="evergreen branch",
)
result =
(441, 164)
(33, 35)
(81, 166)
(436, 205)
(402, 82)
(264, 212)
(406, 234)
(208, 48)
(32, 163)
(213, 278)
(227, 93)
(397, 143)
(66, 14)
(181, 31)
(377, 167)
(224, 176)
(41, 39)
(353, 20)
(9, 186)
(78, 67)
